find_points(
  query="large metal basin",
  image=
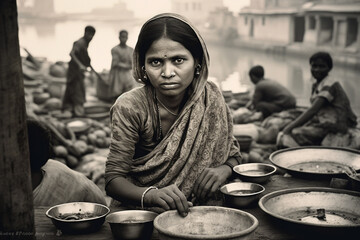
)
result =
(316, 161)
(206, 222)
(324, 211)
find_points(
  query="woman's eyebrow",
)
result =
(149, 59)
(178, 56)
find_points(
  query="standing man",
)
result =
(75, 93)
(269, 96)
(121, 79)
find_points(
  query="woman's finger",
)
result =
(156, 198)
(202, 184)
(163, 204)
(215, 186)
(179, 200)
(197, 182)
(207, 186)
(169, 200)
(183, 201)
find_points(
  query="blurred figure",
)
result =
(121, 79)
(269, 96)
(75, 93)
(330, 110)
(53, 182)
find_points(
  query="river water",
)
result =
(229, 66)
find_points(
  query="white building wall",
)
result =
(242, 26)
(196, 10)
(275, 28)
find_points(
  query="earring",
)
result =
(143, 68)
(197, 70)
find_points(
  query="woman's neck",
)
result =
(174, 103)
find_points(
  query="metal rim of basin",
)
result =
(265, 198)
(224, 236)
(235, 169)
(273, 160)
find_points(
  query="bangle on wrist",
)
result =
(143, 195)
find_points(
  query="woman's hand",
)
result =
(168, 198)
(210, 180)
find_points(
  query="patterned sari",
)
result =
(201, 136)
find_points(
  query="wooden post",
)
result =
(16, 206)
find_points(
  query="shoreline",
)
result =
(344, 58)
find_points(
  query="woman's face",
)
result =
(170, 67)
(319, 69)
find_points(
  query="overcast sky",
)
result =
(141, 8)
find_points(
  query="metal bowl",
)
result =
(254, 172)
(314, 210)
(241, 194)
(132, 224)
(78, 217)
(78, 125)
(316, 162)
(206, 222)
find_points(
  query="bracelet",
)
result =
(143, 195)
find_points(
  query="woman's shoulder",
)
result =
(135, 95)
(134, 99)
(212, 86)
(214, 92)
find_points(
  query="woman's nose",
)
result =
(168, 70)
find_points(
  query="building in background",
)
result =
(38, 8)
(196, 10)
(293, 27)
(325, 23)
(118, 11)
(334, 23)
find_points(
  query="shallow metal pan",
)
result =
(316, 161)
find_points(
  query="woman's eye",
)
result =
(155, 63)
(179, 60)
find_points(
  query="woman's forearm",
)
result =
(125, 191)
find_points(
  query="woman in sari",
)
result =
(172, 139)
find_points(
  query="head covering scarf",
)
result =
(200, 137)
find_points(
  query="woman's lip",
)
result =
(169, 85)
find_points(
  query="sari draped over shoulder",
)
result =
(201, 136)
